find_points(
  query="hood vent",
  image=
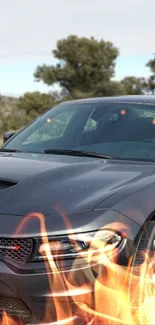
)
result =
(6, 184)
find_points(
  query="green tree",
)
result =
(11, 118)
(84, 65)
(13, 121)
(110, 88)
(151, 79)
(133, 85)
(35, 103)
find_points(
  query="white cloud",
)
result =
(30, 28)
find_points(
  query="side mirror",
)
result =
(8, 135)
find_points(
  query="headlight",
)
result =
(79, 245)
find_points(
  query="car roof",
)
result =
(147, 99)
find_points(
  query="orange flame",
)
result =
(6, 320)
(97, 290)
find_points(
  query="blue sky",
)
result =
(30, 29)
(17, 77)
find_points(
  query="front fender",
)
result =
(138, 205)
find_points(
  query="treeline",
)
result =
(85, 68)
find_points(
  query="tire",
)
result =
(141, 280)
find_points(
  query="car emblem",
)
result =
(11, 247)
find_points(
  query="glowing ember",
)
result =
(123, 112)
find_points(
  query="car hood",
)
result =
(41, 183)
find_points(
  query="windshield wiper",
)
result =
(9, 150)
(80, 153)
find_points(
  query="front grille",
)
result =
(15, 307)
(18, 249)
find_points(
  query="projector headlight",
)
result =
(78, 245)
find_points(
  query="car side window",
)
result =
(52, 128)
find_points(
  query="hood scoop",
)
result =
(4, 184)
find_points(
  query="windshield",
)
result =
(122, 130)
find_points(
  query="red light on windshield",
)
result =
(123, 112)
(49, 120)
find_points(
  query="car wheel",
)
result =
(142, 277)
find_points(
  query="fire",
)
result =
(6, 320)
(96, 290)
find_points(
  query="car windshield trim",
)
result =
(81, 153)
(9, 150)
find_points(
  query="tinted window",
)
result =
(116, 129)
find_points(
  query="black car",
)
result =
(82, 166)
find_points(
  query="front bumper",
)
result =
(33, 293)
(30, 283)
(29, 296)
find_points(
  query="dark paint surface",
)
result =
(72, 186)
(73, 183)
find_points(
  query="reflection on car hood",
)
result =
(73, 183)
